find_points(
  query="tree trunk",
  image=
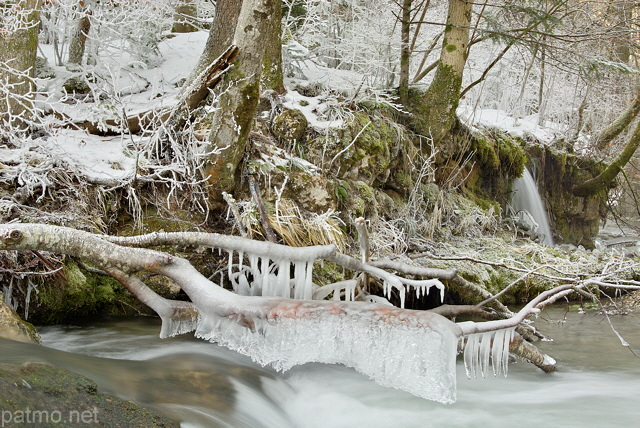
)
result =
(220, 35)
(605, 178)
(185, 13)
(620, 124)
(435, 110)
(272, 77)
(405, 50)
(237, 104)
(19, 41)
(79, 39)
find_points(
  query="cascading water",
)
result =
(527, 204)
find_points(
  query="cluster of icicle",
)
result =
(262, 276)
(482, 347)
(268, 276)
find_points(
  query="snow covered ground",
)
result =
(125, 86)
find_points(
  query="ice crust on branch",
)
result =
(417, 355)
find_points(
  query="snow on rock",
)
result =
(312, 108)
(493, 118)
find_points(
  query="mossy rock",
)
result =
(575, 220)
(83, 295)
(13, 327)
(361, 151)
(499, 159)
(289, 126)
(76, 85)
(63, 398)
(362, 201)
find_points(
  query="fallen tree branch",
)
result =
(262, 326)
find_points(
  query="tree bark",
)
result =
(620, 124)
(233, 120)
(220, 35)
(605, 178)
(405, 50)
(272, 75)
(79, 39)
(18, 58)
(435, 110)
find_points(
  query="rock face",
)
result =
(13, 327)
(289, 125)
(37, 394)
(574, 220)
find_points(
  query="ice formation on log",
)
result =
(414, 352)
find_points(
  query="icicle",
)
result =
(308, 281)
(497, 351)
(402, 297)
(299, 278)
(253, 268)
(440, 286)
(485, 353)
(283, 279)
(479, 349)
(470, 348)
(27, 299)
(264, 280)
(508, 337)
(230, 269)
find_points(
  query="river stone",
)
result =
(13, 327)
(49, 394)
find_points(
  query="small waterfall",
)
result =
(528, 206)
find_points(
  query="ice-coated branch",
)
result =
(228, 243)
(177, 317)
(415, 270)
(407, 349)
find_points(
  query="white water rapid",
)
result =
(527, 204)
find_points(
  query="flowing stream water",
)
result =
(526, 201)
(204, 385)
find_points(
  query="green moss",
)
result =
(361, 151)
(44, 389)
(328, 273)
(84, 294)
(362, 200)
(451, 48)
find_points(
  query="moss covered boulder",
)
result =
(289, 126)
(13, 327)
(37, 394)
(361, 151)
